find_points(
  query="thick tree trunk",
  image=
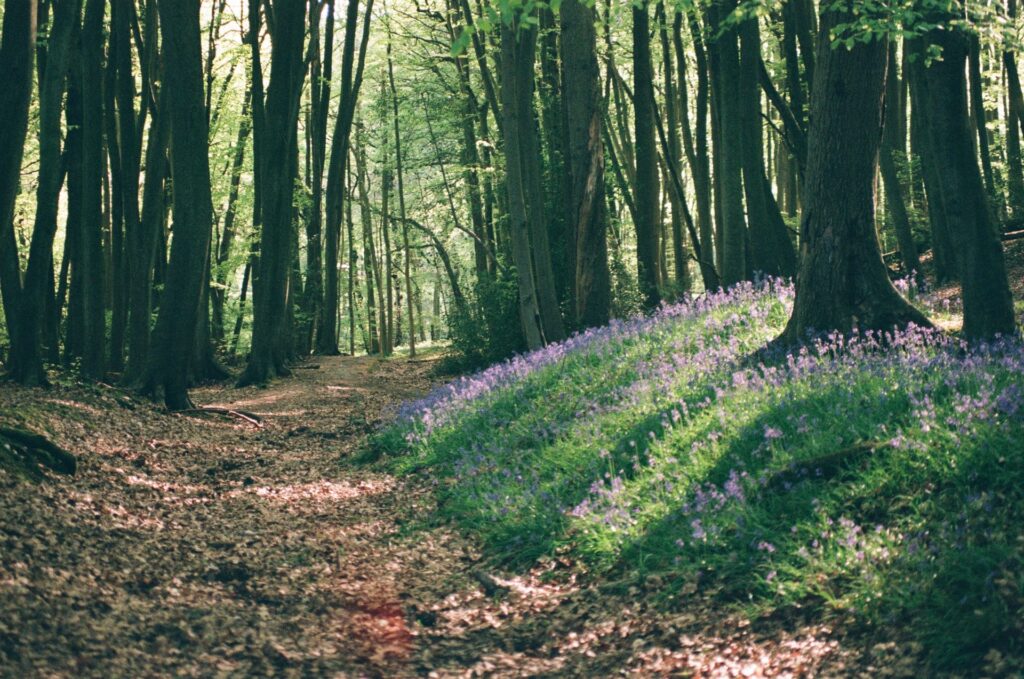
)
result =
(988, 304)
(771, 250)
(842, 283)
(167, 368)
(143, 244)
(588, 217)
(270, 335)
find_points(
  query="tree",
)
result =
(167, 368)
(269, 352)
(352, 64)
(90, 221)
(647, 187)
(988, 303)
(26, 363)
(842, 283)
(588, 217)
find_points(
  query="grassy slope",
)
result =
(883, 481)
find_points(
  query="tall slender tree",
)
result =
(270, 347)
(167, 367)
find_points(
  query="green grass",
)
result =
(879, 479)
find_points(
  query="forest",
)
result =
(511, 337)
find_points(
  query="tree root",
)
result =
(31, 450)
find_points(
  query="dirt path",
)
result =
(206, 546)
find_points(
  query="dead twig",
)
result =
(251, 418)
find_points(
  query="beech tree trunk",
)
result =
(842, 283)
(728, 147)
(517, 53)
(167, 368)
(93, 363)
(26, 363)
(588, 216)
(352, 63)
(270, 336)
(647, 188)
(17, 53)
(988, 304)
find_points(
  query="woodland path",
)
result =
(206, 546)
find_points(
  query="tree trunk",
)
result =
(842, 283)
(270, 335)
(17, 52)
(588, 216)
(517, 48)
(143, 245)
(728, 148)
(351, 80)
(988, 304)
(91, 221)
(401, 205)
(673, 105)
(892, 145)
(25, 362)
(647, 190)
(167, 368)
(771, 250)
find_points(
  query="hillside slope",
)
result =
(878, 479)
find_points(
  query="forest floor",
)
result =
(201, 545)
(205, 545)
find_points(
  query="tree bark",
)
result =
(842, 283)
(401, 205)
(270, 335)
(26, 362)
(647, 189)
(352, 64)
(588, 216)
(517, 50)
(988, 304)
(93, 364)
(728, 149)
(167, 368)
(17, 52)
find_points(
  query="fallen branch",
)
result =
(490, 584)
(251, 418)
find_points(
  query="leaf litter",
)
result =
(204, 546)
